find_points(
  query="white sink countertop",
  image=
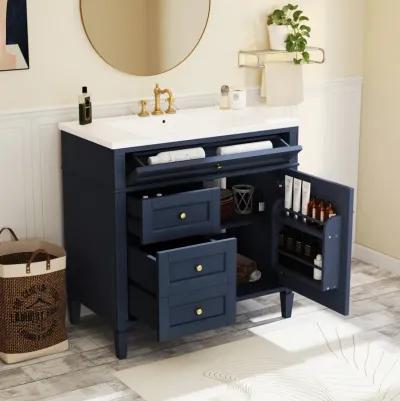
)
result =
(191, 124)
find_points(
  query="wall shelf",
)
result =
(263, 57)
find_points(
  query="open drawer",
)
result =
(178, 215)
(183, 290)
(281, 156)
(334, 241)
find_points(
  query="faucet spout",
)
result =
(157, 101)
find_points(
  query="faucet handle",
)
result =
(171, 109)
(143, 112)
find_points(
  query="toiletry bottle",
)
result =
(319, 208)
(329, 211)
(224, 98)
(311, 208)
(322, 212)
(318, 263)
(85, 107)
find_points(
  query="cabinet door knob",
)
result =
(218, 166)
(199, 268)
(182, 216)
(199, 311)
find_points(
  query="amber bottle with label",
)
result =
(312, 210)
(321, 212)
(329, 211)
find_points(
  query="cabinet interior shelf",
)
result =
(241, 221)
(266, 56)
(298, 259)
(309, 281)
(313, 230)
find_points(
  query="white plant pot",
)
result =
(277, 36)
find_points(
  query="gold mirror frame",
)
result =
(139, 74)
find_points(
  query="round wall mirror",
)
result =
(145, 37)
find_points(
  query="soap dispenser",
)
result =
(85, 107)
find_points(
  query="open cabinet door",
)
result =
(333, 239)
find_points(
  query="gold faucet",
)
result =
(157, 101)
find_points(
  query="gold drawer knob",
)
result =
(182, 216)
(199, 268)
(199, 311)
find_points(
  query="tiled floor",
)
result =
(85, 372)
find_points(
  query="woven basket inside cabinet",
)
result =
(32, 299)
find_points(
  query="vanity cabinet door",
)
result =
(334, 240)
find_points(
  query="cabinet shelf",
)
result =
(309, 281)
(315, 231)
(242, 221)
(298, 259)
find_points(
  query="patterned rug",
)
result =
(319, 357)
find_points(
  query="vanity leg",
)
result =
(121, 344)
(74, 311)
(287, 304)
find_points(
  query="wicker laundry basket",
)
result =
(32, 299)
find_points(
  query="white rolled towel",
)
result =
(244, 147)
(177, 156)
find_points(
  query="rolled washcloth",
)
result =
(177, 156)
(244, 147)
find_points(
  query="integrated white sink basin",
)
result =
(133, 131)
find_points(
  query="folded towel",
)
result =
(282, 84)
(177, 156)
(244, 147)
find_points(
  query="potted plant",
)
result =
(288, 30)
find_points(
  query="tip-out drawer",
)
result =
(184, 269)
(282, 155)
(168, 217)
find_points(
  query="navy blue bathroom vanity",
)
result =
(169, 261)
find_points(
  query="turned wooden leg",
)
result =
(74, 311)
(287, 304)
(121, 344)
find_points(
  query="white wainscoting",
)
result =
(30, 164)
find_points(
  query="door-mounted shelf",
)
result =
(263, 57)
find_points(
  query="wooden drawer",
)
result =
(185, 268)
(187, 313)
(174, 216)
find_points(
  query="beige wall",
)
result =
(62, 59)
(379, 183)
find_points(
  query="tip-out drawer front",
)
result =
(181, 270)
(218, 166)
(175, 216)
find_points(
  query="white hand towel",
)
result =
(177, 156)
(244, 147)
(282, 84)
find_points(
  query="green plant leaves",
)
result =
(306, 56)
(297, 14)
(296, 41)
